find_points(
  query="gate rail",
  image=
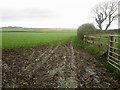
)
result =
(114, 51)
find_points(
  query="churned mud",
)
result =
(54, 66)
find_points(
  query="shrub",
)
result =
(86, 29)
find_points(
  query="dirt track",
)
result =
(60, 66)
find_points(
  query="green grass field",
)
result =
(28, 39)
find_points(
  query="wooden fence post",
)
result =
(93, 40)
(112, 44)
(99, 42)
(84, 38)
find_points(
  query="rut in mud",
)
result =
(54, 66)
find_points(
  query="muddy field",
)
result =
(54, 66)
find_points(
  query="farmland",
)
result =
(52, 59)
(27, 39)
(54, 66)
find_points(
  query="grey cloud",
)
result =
(9, 15)
(38, 13)
(28, 13)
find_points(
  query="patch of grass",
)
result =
(28, 39)
(110, 68)
(90, 48)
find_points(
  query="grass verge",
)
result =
(93, 49)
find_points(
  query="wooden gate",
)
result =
(114, 51)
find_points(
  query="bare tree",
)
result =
(105, 13)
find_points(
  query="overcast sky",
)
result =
(47, 13)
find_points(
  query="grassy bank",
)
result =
(93, 49)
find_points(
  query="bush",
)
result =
(86, 29)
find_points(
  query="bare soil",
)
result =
(54, 66)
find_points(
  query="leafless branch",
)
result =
(105, 12)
